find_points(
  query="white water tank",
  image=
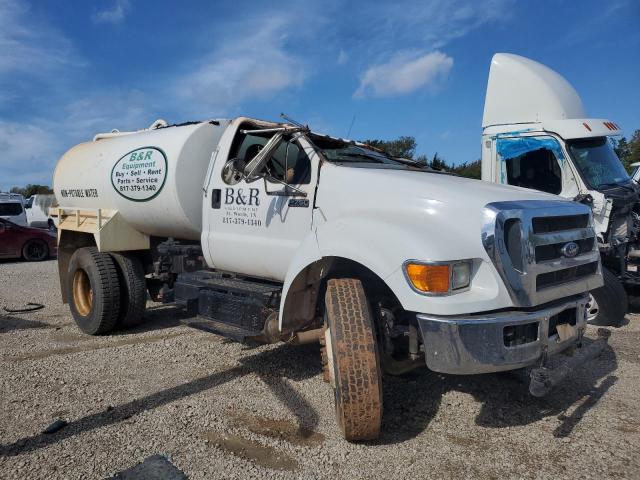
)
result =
(154, 178)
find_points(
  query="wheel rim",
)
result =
(592, 308)
(82, 293)
(35, 250)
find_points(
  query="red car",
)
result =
(32, 244)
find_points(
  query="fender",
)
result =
(338, 240)
(383, 247)
(307, 254)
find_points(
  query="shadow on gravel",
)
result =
(7, 261)
(412, 401)
(274, 367)
(158, 317)
(10, 322)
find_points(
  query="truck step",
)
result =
(231, 306)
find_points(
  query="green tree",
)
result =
(469, 169)
(634, 148)
(30, 190)
(423, 159)
(437, 163)
(404, 147)
(621, 146)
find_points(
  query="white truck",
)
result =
(267, 231)
(535, 134)
(12, 208)
(37, 209)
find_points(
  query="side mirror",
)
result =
(253, 170)
(232, 172)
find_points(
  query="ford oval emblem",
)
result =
(570, 249)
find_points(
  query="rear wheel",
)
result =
(93, 290)
(35, 250)
(133, 290)
(608, 304)
(351, 358)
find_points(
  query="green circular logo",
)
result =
(140, 174)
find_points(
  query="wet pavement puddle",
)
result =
(250, 450)
(286, 430)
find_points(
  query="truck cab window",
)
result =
(289, 163)
(537, 169)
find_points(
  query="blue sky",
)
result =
(71, 69)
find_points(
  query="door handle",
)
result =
(216, 197)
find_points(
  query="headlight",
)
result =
(438, 278)
(460, 275)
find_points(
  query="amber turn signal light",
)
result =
(429, 278)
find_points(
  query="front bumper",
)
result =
(473, 344)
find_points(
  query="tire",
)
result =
(35, 250)
(93, 290)
(608, 304)
(133, 290)
(353, 360)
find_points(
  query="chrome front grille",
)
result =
(528, 242)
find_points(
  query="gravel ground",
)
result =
(218, 409)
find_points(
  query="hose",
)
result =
(31, 307)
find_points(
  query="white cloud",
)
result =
(404, 74)
(343, 57)
(252, 63)
(385, 33)
(29, 150)
(114, 15)
(28, 45)
(27, 153)
(446, 135)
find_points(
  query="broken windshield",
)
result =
(339, 151)
(597, 161)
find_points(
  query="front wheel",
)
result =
(607, 305)
(352, 362)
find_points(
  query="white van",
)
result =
(37, 209)
(12, 208)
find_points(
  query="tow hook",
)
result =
(543, 379)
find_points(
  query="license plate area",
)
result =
(563, 323)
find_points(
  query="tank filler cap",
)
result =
(159, 123)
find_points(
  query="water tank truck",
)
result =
(268, 231)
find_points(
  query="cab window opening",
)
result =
(536, 169)
(289, 163)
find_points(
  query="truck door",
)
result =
(536, 162)
(256, 227)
